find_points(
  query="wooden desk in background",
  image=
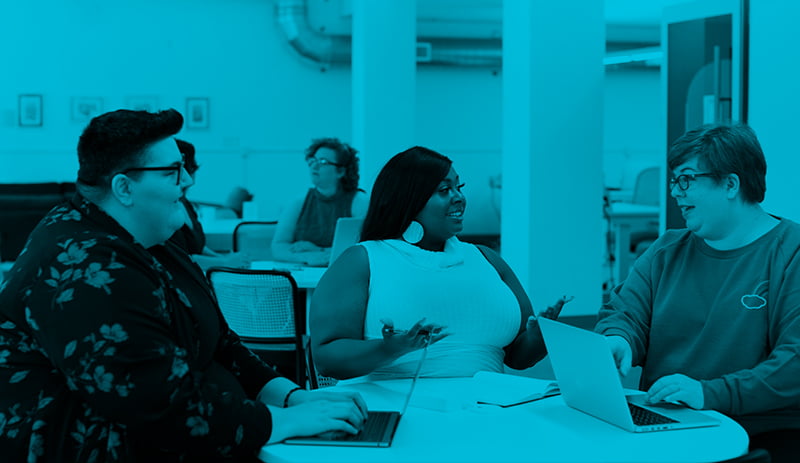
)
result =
(623, 218)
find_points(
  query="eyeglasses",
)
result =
(314, 162)
(684, 180)
(177, 168)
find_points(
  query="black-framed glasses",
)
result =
(314, 162)
(683, 181)
(177, 168)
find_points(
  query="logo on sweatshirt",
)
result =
(754, 301)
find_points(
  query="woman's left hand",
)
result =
(303, 396)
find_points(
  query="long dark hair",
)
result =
(403, 187)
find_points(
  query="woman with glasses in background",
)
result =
(305, 229)
(712, 312)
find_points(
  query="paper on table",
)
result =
(508, 390)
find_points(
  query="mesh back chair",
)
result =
(315, 379)
(254, 239)
(265, 309)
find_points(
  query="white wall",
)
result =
(774, 70)
(266, 103)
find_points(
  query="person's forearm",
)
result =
(348, 358)
(282, 253)
(527, 349)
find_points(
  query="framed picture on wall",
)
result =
(196, 113)
(30, 110)
(86, 107)
(142, 103)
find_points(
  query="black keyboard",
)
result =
(644, 417)
(373, 430)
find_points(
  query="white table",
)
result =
(623, 218)
(444, 424)
(305, 277)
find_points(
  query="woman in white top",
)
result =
(411, 271)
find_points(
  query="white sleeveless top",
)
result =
(457, 288)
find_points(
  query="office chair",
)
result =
(316, 380)
(645, 191)
(254, 239)
(753, 456)
(265, 309)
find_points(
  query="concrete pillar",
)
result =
(384, 81)
(551, 227)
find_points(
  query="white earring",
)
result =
(414, 232)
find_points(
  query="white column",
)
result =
(384, 81)
(551, 226)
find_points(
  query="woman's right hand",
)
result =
(400, 342)
(315, 417)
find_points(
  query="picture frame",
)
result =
(86, 107)
(30, 110)
(147, 103)
(196, 116)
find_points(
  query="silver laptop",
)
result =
(379, 427)
(346, 234)
(589, 381)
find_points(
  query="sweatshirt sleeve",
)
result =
(628, 311)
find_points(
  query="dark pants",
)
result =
(783, 445)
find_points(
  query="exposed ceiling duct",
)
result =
(326, 49)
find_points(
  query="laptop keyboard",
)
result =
(644, 417)
(373, 430)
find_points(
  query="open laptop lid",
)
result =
(378, 437)
(589, 381)
(346, 234)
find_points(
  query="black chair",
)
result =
(316, 380)
(753, 456)
(265, 309)
(254, 238)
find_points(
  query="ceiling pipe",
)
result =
(333, 49)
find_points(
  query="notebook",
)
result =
(346, 234)
(379, 426)
(589, 381)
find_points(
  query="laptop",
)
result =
(379, 426)
(346, 234)
(587, 376)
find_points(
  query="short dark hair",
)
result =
(345, 155)
(189, 159)
(401, 190)
(117, 140)
(724, 149)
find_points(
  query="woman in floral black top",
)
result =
(112, 347)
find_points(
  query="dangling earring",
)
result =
(414, 232)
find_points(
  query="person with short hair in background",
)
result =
(190, 236)
(712, 312)
(112, 346)
(410, 271)
(305, 228)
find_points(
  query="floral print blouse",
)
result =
(110, 352)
